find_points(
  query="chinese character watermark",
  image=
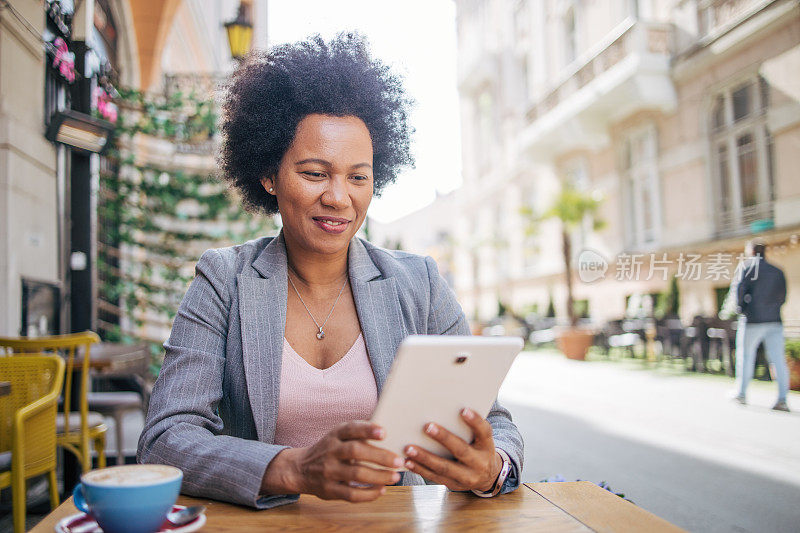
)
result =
(687, 266)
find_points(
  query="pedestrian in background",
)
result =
(760, 289)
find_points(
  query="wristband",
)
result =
(505, 470)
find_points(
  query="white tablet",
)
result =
(432, 379)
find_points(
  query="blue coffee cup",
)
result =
(130, 498)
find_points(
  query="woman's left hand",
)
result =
(475, 467)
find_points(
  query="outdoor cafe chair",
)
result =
(75, 431)
(28, 419)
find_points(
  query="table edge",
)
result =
(585, 515)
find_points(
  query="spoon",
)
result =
(184, 516)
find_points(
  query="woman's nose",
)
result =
(336, 194)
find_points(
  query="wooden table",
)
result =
(570, 507)
(5, 388)
(114, 357)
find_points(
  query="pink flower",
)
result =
(64, 60)
(109, 112)
(105, 107)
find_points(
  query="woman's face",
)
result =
(324, 183)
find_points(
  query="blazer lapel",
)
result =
(378, 308)
(262, 312)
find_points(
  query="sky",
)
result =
(418, 39)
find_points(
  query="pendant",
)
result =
(320, 334)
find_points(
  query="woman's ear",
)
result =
(269, 185)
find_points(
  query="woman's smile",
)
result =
(334, 225)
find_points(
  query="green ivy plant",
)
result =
(148, 213)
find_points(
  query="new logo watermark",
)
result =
(591, 266)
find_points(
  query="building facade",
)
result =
(683, 116)
(43, 184)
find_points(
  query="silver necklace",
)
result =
(321, 332)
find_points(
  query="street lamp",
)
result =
(240, 32)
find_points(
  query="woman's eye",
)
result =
(360, 178)
(314, 174)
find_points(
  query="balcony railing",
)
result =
(745, 221)
(717, 16)
(630, 37)
(200, 84)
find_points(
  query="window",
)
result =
(521, 21)
(576, 174)
(633, 8)
(530, 253)
(524, 76)
(570, 36)
(104, 34)
(485, 129)
(58, 25)
(741, 156)
(500, 244)
(639, 162)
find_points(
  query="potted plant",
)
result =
(571, 207)
(793, 362)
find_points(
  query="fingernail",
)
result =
(398, 462)
(432, 429)
(396, 476)
(410, 465)
(411, 451)
(379, 433)
(383, 491)
(468, 414)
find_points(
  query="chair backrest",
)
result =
(34, 379)
(66, 346)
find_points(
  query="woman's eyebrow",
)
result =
(312, 160)
(328, 163)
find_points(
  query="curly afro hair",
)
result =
(272, 91)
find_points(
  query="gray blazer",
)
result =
(214, 405)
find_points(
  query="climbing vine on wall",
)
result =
(155, 217)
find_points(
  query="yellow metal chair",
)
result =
(74, 431)
(28, 424)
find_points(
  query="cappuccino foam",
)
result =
(131, 475)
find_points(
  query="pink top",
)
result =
(314, 401)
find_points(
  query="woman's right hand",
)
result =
(329, 469)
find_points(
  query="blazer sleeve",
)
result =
(183, 427)
(447, 318)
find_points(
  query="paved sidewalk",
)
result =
(671, 440)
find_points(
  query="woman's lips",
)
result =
(334, 225)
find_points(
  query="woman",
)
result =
(281, 345)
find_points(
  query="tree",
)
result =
(571, 207)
